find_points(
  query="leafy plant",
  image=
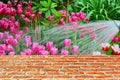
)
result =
(98, 9)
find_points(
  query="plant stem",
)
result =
(67, 11)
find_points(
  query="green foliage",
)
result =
(99, 9)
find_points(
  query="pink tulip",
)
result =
(82, 35)
(50, 18)
(75, 49)
(12, 18)
(116, 49)
(26, 29)
(27, 20)
(41, 47)
(45, 53)
(6, 34)
(49, 45)
(39, 14)
(2, 47)
(7, 41)
(35, 47)
(19, 11)
(73, 14)
(28, 14)
(64, 52)
(54, 51)
(11, 53)
(67, 42)
(2, 52)
(15, 42)
(105, 46)
(13, 12)
(28, 52)
(82, 15)
(13, 30)
(74, 18)
(10, 48)
(33, 16)
(18, 37)
(22, 16)
(9, 4)
(22, 53)
(17, 24)
(1, 35)
(61, 22)
(28, 40)
(115, 39)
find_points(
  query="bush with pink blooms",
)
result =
(17, 20)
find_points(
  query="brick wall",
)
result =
(60, 68)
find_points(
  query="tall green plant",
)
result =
(98, 9)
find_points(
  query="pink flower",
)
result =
(15, 42)
(105, 46)
(49, 45)
(28, 41)
(73, 14)
(54, 51)
(6, 34)
(115, 39)
(75, 49)
(41, 47)
(12, 18)
(18, 37)
(28, 52)
(64, 52)
(10, 48)
(81, 15)
(33, 16)
(116, 49)
(67, 42)
(26, 29)
(1, 35)
(35, 47)
(61, 22)
(45, 53)
(17, 24)
(22, 16)
(7, 42)
(82, 35)
(2, 52)
(22, 53)
(2, 47)
(27, 20)
(28, 14)
(9, 4)
(50, 18)
(11, 53)
(74, 18)
(39, 15)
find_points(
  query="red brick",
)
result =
(95, 72)
(84, 76)
(64, 76)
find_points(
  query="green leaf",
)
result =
(44, 4)
(49, 2)
(43, 9)
(57, 14)
(47, 14)
(53, 5)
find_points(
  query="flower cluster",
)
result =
(115, 49)
(74, 17)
